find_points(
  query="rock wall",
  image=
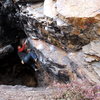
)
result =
(67, 48)
(72, 8)
(50, 8)
(10, 27)
(60, 49)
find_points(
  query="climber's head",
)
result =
(18, 47)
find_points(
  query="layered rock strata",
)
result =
(67, 48)
(60, 44)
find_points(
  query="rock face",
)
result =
(54, 60)
(9, 23)
(67, 51)
(93, 48)
(60, 49)
(67, 66)
(66, 33)
(89, 60)
(9, 27)
(72, 8)
(63, 45)
(92, 53)
(50, 8)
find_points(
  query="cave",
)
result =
(12, 72)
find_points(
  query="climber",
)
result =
(27, 55)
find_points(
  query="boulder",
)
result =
(67, 52)
(72, 8)
(50, 8)
(60, 49)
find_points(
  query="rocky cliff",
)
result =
(72, 8)
(67, 48)
(64, 45)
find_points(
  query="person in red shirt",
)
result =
(27, 56)
(21, 49)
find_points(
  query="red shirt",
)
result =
(22, 48)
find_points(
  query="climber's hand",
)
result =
(22, 62)
(25, 41)
(35, 60)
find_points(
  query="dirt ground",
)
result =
(19, 92)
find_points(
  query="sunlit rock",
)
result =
(72, 8)
(56, 40)
(50, 8)
(92, 48)
(88, 68)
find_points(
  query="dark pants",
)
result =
(29, 58)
